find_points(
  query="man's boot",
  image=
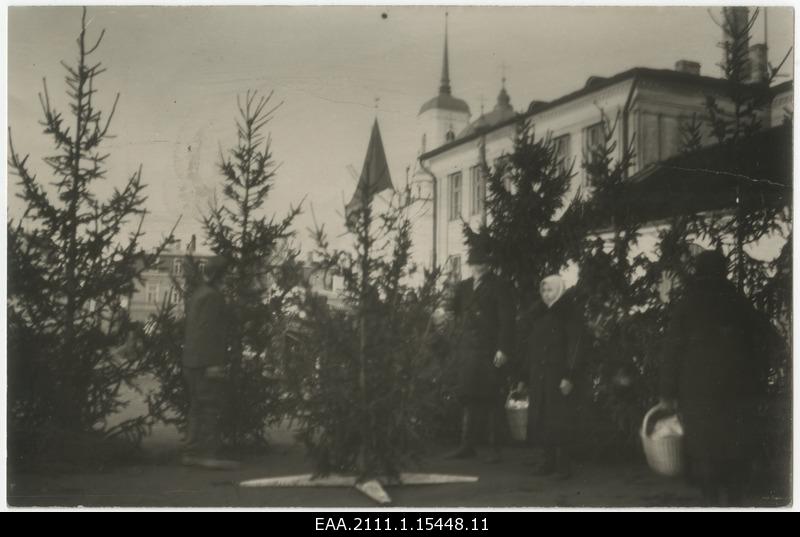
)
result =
(548, 464)
(494, 456)
(467, 448)
(563, 464)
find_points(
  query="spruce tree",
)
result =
(363, 378)
(70, 264)
(529, 228)
(262, 270)
(616, 299)
(734, 121)
(691, 131)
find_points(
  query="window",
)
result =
(561, 145)
(177, 266)
(201, 267)
(670, 138)
(501, 164)
(327, 281)
(152, 293)
(594, 139)
(454, 268)
(478, 185)
(174, 295)
(455, 196)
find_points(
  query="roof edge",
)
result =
(642, 72)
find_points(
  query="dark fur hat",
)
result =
(215, 268)
(478, 249)
(710, 265)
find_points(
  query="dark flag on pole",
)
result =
(374, 175)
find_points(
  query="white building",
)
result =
(649, 104)
(159, 285)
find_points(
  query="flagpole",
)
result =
(374, 178)
(366, 219)
(366, 224)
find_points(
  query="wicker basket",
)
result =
(664, 455)
(517, 418)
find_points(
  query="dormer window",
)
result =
(450, 136)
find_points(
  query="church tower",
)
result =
(444, 116)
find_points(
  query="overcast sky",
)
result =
(179, 70)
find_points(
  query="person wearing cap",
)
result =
(484, 313)
(204, 361)
(709, 374)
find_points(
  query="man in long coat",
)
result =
(710, 372)
(484, 314)
(204, 361)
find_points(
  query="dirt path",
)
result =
(165, 483)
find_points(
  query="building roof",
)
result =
(501, 113)
(756, 171)
(593, 84)
(445, 101)
(783, 86)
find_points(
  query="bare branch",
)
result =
(97, 44)
(775, 70)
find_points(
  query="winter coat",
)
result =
(206, 334)
(552, 346)
(484, 323)
(710, 365)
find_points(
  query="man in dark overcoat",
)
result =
(484, 313)
(710, 373)
(204, 361)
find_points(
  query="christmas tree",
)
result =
(530, 229)
(364, 384)
(70, 265)
(262, 271)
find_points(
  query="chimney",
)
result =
(735, 34)
(687, 66)
(758, 64)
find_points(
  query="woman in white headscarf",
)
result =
(551, 351)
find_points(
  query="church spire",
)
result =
(444, 87)
(444, 100)
(503, 100)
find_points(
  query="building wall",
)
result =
(656, 111)
(435, 123)
(157, 287)
(570, 119)
(657, 114)
(330, 286)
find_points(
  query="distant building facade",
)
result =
(160, 285)
(648, 106)
(326, 284)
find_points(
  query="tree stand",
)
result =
(373, 488)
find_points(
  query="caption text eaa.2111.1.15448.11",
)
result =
(400, 524)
